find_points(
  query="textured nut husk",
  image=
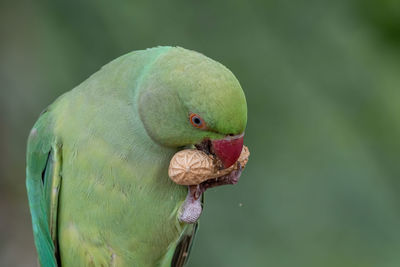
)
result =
(192, 166)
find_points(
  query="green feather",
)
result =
(39, 173)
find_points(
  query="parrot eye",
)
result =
(197, 121)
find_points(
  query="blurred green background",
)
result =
(322, 80)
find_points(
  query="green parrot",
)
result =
(98, 157)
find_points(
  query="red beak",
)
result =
(228, 149)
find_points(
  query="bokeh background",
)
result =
(322, 80)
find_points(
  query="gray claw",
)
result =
(235, 175)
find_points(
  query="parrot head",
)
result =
(187, 98)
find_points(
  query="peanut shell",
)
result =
(192, 166)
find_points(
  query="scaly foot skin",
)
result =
(191, 208)
(230, 178)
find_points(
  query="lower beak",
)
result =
(228, 149)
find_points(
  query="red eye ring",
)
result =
(197, 121)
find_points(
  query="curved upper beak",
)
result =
(228, 149)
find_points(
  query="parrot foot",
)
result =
(191, 209)
(230, 178)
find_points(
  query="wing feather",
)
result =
(43, 181)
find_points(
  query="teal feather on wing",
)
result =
(43, 179)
